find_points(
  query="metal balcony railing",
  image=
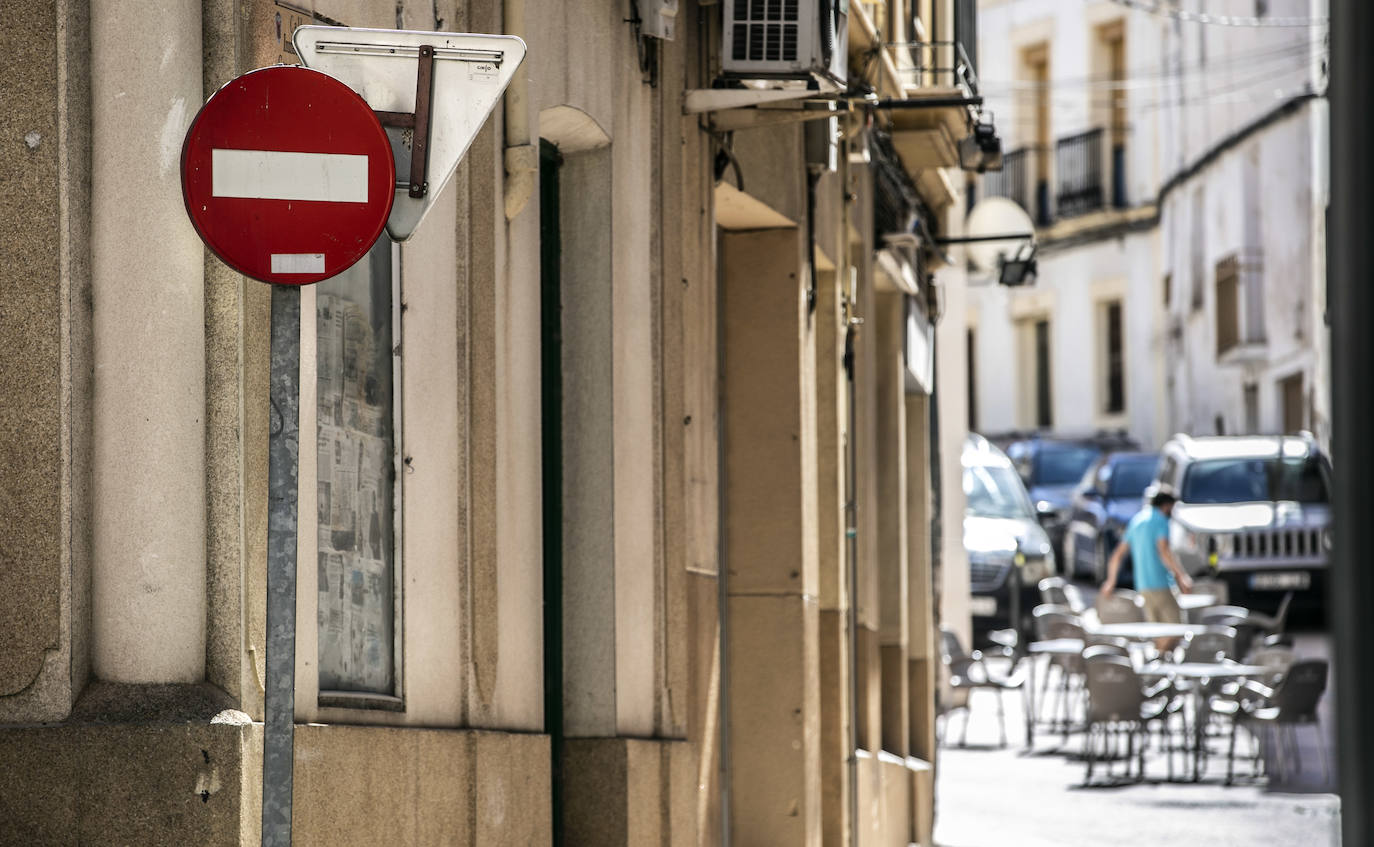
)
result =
(1078, 161)
(1013, 181)
(896, 205)
(936, 64)
(1082, 176)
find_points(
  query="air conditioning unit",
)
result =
(787, 40)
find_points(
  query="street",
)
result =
(990, 796)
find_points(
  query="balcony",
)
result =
(897, 205)
(1078, 166)
(1012, 180)
(1082, 175)
(937, 79)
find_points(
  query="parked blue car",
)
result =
(1052, 466)
(1110, 493)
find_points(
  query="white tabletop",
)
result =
(1190, 602)
(1147, 630)
(1204, 670)
(1058, 646)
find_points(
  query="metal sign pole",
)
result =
(283, 451)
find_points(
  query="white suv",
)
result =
(1254, 511)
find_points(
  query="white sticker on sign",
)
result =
(274, 175)
(297, 263)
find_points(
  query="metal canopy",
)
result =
(467, 75)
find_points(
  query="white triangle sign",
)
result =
(468, 75)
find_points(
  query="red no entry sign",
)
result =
(287, 175)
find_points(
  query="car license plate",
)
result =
(982, 606)
(1280, 581)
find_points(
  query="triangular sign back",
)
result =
(470, 72)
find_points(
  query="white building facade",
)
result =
(1172, 159)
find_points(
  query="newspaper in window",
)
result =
(355, 478)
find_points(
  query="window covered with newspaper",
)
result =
(355, 439)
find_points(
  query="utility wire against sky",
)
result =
(1241, 90)
(1314, 49)
(1156, 7)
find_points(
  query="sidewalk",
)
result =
(986, 797)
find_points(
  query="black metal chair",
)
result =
(1271, 624)
(1057, 591)
(1281, 709)
(1215, 644)
(968, 671)
(1119, 703)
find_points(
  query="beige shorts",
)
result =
(1161, 606)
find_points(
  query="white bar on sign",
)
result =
(274, 175)
(297, 263)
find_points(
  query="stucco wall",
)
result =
(1071, 286)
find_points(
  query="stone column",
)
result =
(148, 538)
(770, 490)
(922, 654)
(831, 421)
(891, 471)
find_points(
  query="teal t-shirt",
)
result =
(1143, 534)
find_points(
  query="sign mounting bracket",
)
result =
(417, 122)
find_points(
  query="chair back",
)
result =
(1062, 627)
(1109, 641)
(953, 693)
(1052, 591)
(950, 648)
(1222, 615)
(1213, 645)
(1121, 607)
(1281, 616)
(1301, 690)
(1109, 648)
(1277, 660)
(1114, 690)
(1074, 598)
(1046, 612)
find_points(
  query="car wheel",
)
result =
(1100, 556)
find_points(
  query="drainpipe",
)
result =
(851, 524)
(521, 158)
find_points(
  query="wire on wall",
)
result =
(1156, 7)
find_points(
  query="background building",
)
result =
(629, 497)
(1171, 158)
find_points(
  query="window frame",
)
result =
(1105, 356)
(325, 698)
(1229, 331)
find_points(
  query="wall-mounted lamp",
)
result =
(981, 151)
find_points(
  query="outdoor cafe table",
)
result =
(1201, 672)
(1143, 631)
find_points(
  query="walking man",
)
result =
(1157, 570)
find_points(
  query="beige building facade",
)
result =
(629, 501)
